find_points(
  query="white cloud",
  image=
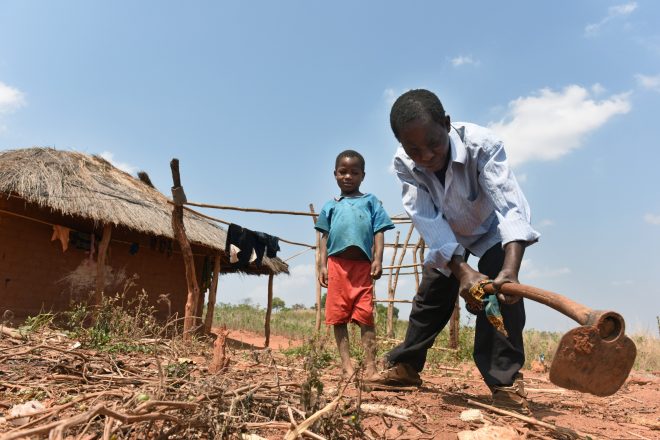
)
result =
(521, 178)
(529, 270)
(598, 89)
(462, 60)
(652, 219)
(649, 82)
(549, 124)
(124, 166)
(10, 98)
(300, 275)
(299, 287)
(613, 12)
(622, 9)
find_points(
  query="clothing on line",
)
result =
(248, 242)
(61, 233)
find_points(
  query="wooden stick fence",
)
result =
(317, 271)
(389, 329)
(390, 306)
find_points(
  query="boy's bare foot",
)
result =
(347, 373)
(370, 369)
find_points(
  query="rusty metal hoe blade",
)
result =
(595, 358)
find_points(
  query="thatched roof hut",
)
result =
(58, 187)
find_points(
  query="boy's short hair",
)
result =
(350, 153)
(415, 104)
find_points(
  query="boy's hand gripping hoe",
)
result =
(594, 358)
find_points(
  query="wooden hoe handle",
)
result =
(610, 324)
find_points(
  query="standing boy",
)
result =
(463, 199)
(353, 227)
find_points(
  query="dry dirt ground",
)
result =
(632, 413)
(73, 383)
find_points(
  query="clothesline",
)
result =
(395, 219)
(265, 211)
(54, 224)
(224, 222)
(298, 254)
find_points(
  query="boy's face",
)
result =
(426, 142)
(349, 175)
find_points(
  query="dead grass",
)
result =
(299, 324)
(648, 352)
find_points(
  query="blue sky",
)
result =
(257, 98)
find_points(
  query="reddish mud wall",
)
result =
(34, 270)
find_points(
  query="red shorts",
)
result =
(350, 292)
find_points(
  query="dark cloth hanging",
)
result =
(242, 239)
(248, 241)
(272, 243)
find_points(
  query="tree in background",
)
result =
(278, 304)
(381, 311)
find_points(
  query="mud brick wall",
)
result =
(33, 268)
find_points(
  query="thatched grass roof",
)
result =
(87, 186)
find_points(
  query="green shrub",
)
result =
(116, 326)
(33, 324)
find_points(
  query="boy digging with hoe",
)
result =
(352, 243)
(463, 199)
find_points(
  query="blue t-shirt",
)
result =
(353, 221)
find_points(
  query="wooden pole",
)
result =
(100, 264)
(186, 251)
(264, 211)
(269, 309)
(403, 254)
(401, 266)
(416, 269)
(373, 299)
(318, 262)
(390, 291)
(396, 220)
(215, 219)
(210, 309)
(199, 311)
(396, 278)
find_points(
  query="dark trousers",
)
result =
(498, 358)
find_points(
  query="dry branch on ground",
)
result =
(168, 391)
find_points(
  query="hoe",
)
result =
(594, 358)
